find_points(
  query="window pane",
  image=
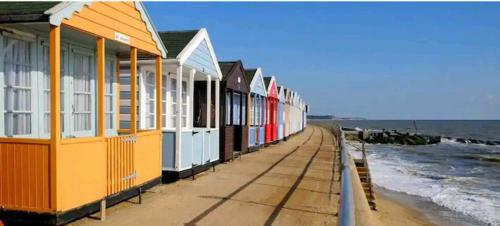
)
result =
(236, 108)
(228, 108)
(243, 110)
(82, 104)
(17, 92)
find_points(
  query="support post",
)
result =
(217, 103)
(133, 90)
(192, 73)
(159, 92)
(101, 73)
(178, 117)
(209, 100)
(103, 210)
(55, 110)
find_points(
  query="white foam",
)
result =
(393, 173)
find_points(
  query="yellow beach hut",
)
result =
(61, 153)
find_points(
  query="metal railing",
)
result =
(346, 212)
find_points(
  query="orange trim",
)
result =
(14, 140)
(133, 90)
(159, 99)
(82, 140)
(101, 70)
(55, 116)
(148, 133)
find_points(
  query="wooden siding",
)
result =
(148, 156)
(201, 60)
(125, 97)
(120, 167)
(24, 176)
(226, 143)
(104, 19)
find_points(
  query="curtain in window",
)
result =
(173, 102)
(82, 105)
(150, 99)
(236, 108)
(164, 81)
(17, 70)
(46, 88)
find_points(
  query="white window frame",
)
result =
(236, 108)
(186, 102)
(144, 98)
(90, 53)
(34, 85)
(113, 131)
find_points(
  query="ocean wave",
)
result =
(454, 141)
(450, 192)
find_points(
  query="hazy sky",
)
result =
(373, 60)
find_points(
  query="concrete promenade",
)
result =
(290, 183)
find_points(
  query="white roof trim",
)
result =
(191, 46)
(151, 28)
(65, 10)
(281, 93)
(254, 79)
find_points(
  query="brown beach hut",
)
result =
(234, 110)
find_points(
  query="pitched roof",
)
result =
(25, 11)
(226, 66)
(249, 74)
(176, 41)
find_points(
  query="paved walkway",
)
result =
(291, 183)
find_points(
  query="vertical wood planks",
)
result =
(120, 165)
(24, 176)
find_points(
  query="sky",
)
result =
(371, 60)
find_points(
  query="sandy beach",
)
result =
(392, 212)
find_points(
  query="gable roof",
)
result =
(226, 66)
(267, 81)
(250, 73)
(56, 12)
(176, 41)
(184, 43)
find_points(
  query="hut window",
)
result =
(109, 100)
(46, 89)
(164, 100)
(172, 88)
(149, 96)
(251, 110)
(82, 93)
(236, 108)
(17, 87)
(256, 106)
(228, 108)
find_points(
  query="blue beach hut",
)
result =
(257, 102)
(190, 90)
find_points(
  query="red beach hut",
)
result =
(271, 110)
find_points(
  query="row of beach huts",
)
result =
(98, 106)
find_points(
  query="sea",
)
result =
(462, 179)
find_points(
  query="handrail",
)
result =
(346, 212)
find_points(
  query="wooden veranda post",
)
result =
(55, 110)
(159, 98)
(133, 90)
(101, 71)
